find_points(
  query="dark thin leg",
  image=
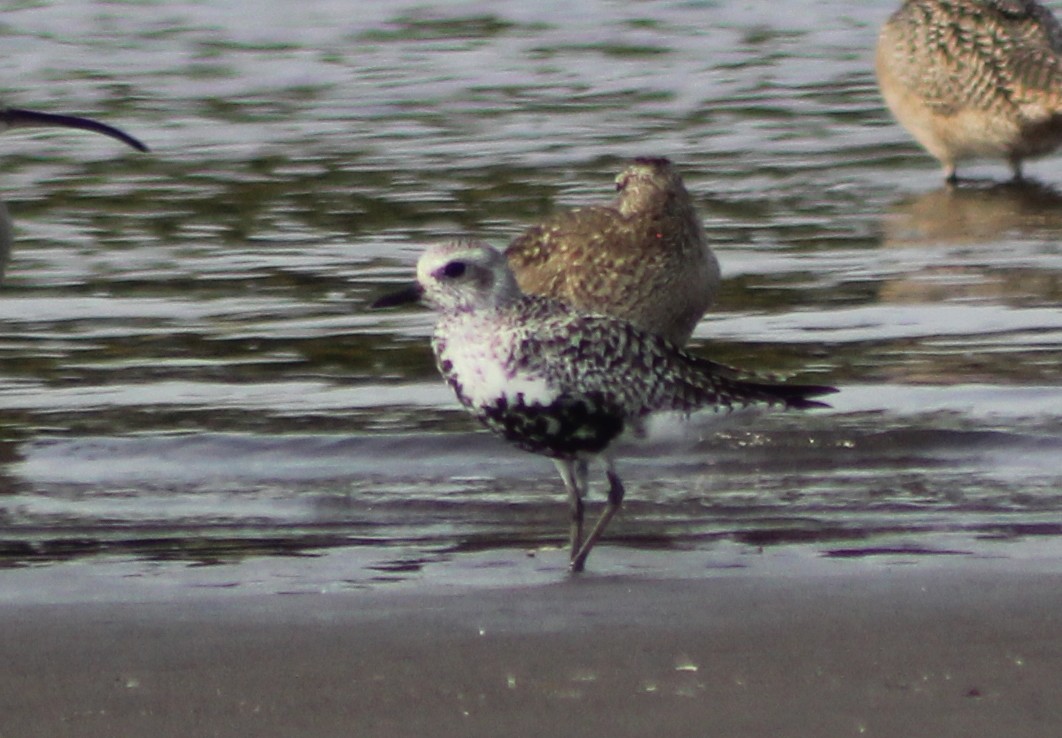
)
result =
(615, 501)
(1015, 168)
(574, 475)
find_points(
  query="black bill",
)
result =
(18, 118)
(412, 293)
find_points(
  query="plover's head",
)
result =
(647, 182)
(459, 275)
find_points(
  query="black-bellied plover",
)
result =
(19, 118)
(974, 78)
(560, 382)
(644, 258)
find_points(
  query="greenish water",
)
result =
(189, 373)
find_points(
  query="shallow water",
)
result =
(189, 372)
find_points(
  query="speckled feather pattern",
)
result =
(997, 61)
(994, 55)
(561, 383)
(644, 258)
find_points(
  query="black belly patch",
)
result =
(563, 429)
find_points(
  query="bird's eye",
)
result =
(454, 269)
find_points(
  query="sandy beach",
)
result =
(935, 650)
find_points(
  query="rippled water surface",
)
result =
(189, 372)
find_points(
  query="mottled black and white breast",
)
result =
(483, 357)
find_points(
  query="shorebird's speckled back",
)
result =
(972, 78)
(644, 258)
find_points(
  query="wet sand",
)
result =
(908, 651)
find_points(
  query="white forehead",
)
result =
(439, 255)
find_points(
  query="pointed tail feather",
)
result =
(791, 395)
(748, 386)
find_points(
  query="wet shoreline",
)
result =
(954, 650)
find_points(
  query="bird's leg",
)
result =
(615, 500)
(574, 475)
(1015, 168)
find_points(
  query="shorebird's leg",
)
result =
(574, 475)
(615, 501)
(582, 485)
(1015, 168)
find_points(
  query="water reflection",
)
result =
(10, 454)
(7, 238)
(988, 243)
(975, 212)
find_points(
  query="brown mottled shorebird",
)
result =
(560, 382)
(974, 78)
(644, 258)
